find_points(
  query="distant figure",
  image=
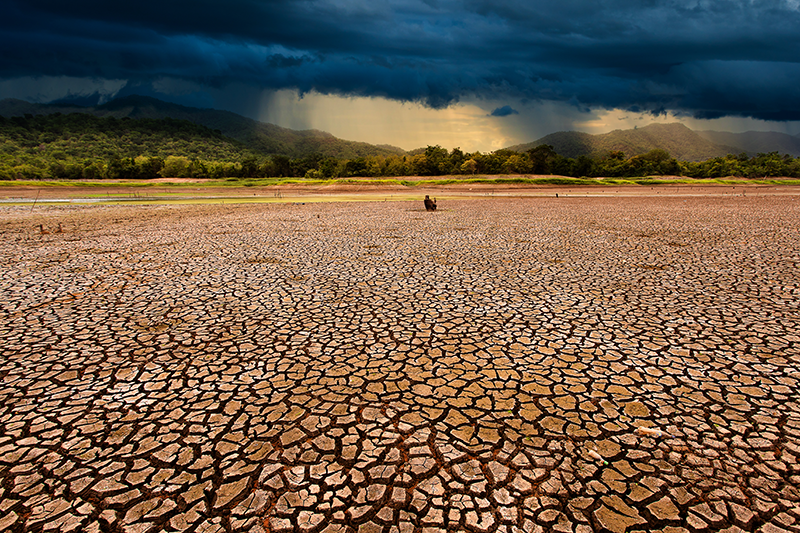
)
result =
(43, 231)
(430, 205)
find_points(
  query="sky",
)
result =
(474, 74)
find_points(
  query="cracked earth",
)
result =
(570, 365)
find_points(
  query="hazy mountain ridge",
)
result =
(257, 136)
(753, 142)
(680, 141)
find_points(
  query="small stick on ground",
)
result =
(36, 200)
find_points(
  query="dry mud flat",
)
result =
(354, 190)
(372, 367)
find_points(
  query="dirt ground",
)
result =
(602, 361)
(354, 192)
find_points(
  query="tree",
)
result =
(655, 162)
(149, 167)
(282, 165)
(469, 166)
(488, 163)
(396, 166)
(457, 159)
(583, 166)
(541, 158)
(356, 167)
(176, 167)
(122, 168)
(419, 165)
(93, 170)
(329, 167)
(613, 165)
(313, 175)
(438, 161)
(250, 167)
(516, 164)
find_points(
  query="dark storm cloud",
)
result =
(504, 111)
(706, 58)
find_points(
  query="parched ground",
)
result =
(373, 367)
(165, 190)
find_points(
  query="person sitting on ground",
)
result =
(430, 205)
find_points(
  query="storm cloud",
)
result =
(699, 58)
(504, 111)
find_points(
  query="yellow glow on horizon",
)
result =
(382, 121)
(467, 125)
(617, 119)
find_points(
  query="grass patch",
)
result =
(401, 181)
(708, 181)
(514, 180)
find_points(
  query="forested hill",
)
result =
(82, 145)
(681, 142)
(86, 136)
(265, 139)
(754, 142)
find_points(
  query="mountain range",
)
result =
(756, 141)
(257, 136)
(680, 141)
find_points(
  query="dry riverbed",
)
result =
(186, 191)
(593, 362)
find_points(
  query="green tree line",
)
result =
(80, 146)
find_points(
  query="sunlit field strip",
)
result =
(421, 182)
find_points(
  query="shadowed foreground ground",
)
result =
(373, 367)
